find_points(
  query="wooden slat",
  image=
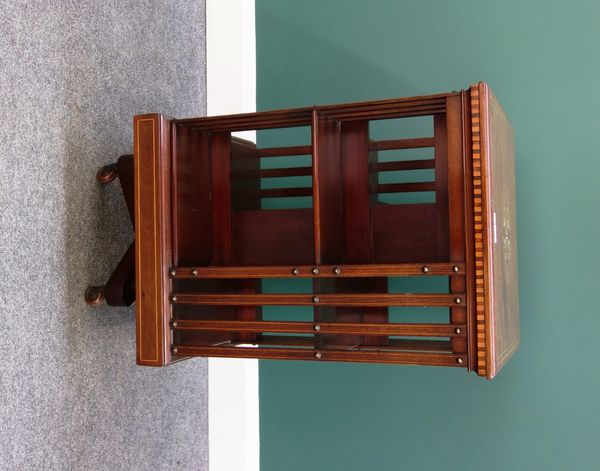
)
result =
(285, 192)
(285, 172)
(248, 121)
(391, 112)
(414, 345)
(324, 271)
(402, 165)
(359, 356)
(402, 102)
(403, 187)
(292, 117)
(405, 299)
(284, 151)
(387, 110)
(416, 330)
(394, 144)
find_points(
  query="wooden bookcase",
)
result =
(420, 270)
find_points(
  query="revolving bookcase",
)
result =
(399, 249)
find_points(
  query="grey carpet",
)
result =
(72, 75)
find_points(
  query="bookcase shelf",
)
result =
(387, 249)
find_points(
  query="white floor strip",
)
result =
(233, 420)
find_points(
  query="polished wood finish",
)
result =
(358, 355)
(322, 299)
(359, 328)
(153, 252)
(325, 271)
(496, 275)
(369, 236)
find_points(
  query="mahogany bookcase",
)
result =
(421, 270)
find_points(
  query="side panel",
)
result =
(152, 177)
(495, 232)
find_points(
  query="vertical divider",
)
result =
(440, 138)
(357, 236)
(245, 195)
(221, 216)
(456, 198)
(220, 188)
(327, 211)
(327, 189)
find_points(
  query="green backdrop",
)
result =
(542, 59)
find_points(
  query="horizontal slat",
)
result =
(285, 192)
(286, 172)
(417, 330)
(394, 144)
(248, 121)
(324, 271)
(414, 345)
(403, 187)
(402, 165)
(391, 112)
(284, 151)
(302, 117)
(403, 107)
(357, 300)
(361, 356)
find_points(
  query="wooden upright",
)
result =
(208, 238)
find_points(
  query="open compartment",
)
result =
(352, 232)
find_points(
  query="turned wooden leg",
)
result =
(125, 171)
(119, 290)
(107, 173)
(94, 295)
(120, 287)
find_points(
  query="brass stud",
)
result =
(173, 299)
(315, 299)
(455, 269)
(174, 349)
(195, 272)
(460, 361)
(317, 327)
(315, 271)
(457, 300)
(337, 270)
(458, 330)
(174, 324)
(425, 269)
(295, 271)
(173, 273)
(318, 355)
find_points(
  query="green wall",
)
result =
(542, 59)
